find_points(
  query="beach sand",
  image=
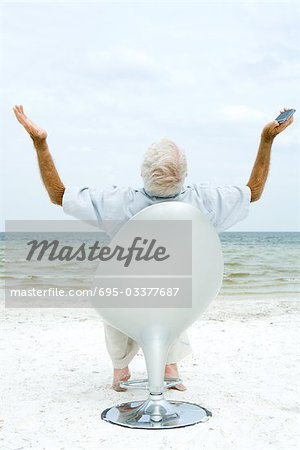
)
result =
(245, 369)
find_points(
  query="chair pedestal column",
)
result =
(156, 353)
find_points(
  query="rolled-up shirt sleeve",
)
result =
(226, 204)
(78, 202)
(105, 209)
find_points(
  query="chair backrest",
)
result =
(143, 318)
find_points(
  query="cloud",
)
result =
(122, 63)
(241, 113)
(109, 79)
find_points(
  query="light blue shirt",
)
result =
(224, 205)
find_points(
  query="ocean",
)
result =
(261, 264)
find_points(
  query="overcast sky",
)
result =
(108, 79)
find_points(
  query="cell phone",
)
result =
(285, 115)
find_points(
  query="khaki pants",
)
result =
(122, 348)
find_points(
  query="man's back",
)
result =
(223, 205)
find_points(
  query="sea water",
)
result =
(260, 264)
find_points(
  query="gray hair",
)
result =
(164, 169)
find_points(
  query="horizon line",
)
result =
(222, 232)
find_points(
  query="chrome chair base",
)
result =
(143, 383)
(156, 413)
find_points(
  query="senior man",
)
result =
(164, 169)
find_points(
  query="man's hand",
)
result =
(36, 133)
(271, 130)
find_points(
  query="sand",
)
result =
(245, 369)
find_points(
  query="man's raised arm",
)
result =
(49, 174)
(261, 166)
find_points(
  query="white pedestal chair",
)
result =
(156, 328)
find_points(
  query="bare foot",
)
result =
(171, 371)
(119, 376)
